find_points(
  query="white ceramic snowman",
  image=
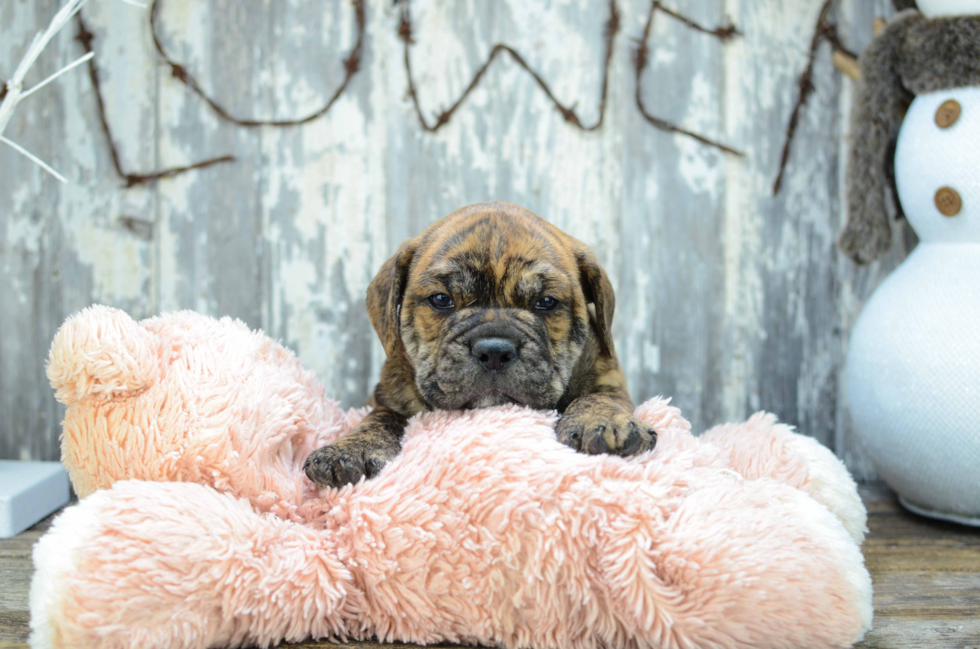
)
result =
(913, 369)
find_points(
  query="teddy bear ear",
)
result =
(101, 352)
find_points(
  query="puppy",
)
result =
(491, 305)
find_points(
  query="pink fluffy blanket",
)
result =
(186, 435)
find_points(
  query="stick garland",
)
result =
(351, 66)
(568, 113)
(11, 92)
(85, 37)
(641, 58)
(825, 30)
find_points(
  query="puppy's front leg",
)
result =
(603, 422)
(362, 452)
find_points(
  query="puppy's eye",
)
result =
(441, 301)
(546, 303)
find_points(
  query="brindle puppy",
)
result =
(491, 305)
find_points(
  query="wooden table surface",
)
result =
(926, 580)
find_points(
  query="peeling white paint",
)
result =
(115, 259)
(742, 226)
(651, 357)
(712, 273)
(701, 167)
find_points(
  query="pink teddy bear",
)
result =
(185, 438)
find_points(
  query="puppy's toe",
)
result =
(373, 463)
(348, 460)
(617, 439)
(606, 431)
(334, 466)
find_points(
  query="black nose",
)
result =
(494, 353)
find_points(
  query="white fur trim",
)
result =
(55, 555)
(832, 485)
(858, 576)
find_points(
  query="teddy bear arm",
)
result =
(120, 567)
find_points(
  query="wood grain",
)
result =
(730, 300)
(670, 252)
(15, 575)
(948, 633)
(902, 546)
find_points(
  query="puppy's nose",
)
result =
(494, 353)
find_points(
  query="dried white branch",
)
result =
(15, 86)
(27, 154)
(27, 93)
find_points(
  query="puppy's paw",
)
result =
(347, 460)
(605, 429)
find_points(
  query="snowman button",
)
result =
(947, 113)
(948, 201)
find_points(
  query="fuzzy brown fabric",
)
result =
(911, 56)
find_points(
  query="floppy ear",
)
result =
(599, 292)
(385, 293)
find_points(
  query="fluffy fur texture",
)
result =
(485, 529)
(911, 56)
(187, 398)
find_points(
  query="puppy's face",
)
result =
(490, 324)
(491, 305)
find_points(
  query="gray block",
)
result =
(29, 491)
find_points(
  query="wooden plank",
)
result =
(15, 572)
(781, 294)
(950, 633)
(928, 595)
(911, 555)
(209, 223)
(901, 544)
(730, 300)
(904, 525)
(323, 200)
(64, 247)
(15, 575)
(30, 197)
(506, 141)
(670, 241)
(14, 629)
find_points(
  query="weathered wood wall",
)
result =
(730, 300)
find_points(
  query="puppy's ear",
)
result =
(599, 292)
(385, 293)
